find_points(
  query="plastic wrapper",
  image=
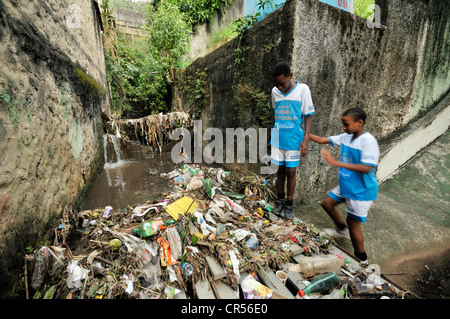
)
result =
(253, 289)
(48, 260)
(175, 242)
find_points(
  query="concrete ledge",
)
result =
(410, 142)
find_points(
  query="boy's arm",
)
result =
(304, 144)
(362, 168)
(319, 139)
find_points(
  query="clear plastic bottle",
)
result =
(187, 269)
(311, 266)
(320, 284)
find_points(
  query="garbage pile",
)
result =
(163, 249)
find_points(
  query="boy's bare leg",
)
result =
(356, 235)
(329, 205)
(281, 179)
(291, 180)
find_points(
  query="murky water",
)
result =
(130, 176)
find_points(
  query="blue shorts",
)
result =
(356, 209)
(284, 157)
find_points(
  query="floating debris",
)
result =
(212, 236)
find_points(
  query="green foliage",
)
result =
(200, 11)
(364, 8)
(222, 35)
(135, 78)
(169, 33)
(141, 76)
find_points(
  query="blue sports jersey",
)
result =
(363, 150)
(287, 133)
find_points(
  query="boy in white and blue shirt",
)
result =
(358, 186)
(293, 107)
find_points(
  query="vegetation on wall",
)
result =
(140, 76)
(194, 88)
(253, 106)
(364, 8)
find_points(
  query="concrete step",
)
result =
(269, 279)
(215, 268)
(203, 290)
(225, 291)
(295, 279)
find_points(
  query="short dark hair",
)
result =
(356, 114)
(281, 68)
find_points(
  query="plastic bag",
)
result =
(195, 183)
(206, 229)
(175, 242)
(76, 275)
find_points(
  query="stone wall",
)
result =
(199, 38)
(396, 72)
(53, 89)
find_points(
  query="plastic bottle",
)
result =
(235, 207)
(107, 211)
(320, 284)
(193, 171)
(311, 266)
(187, 269)
(184, 179)
(147, 229)
(208, 186)
(169, 222)
(335, 294)
(265, 205)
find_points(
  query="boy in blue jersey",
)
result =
(358, 186)
(292, 104)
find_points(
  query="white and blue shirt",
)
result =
(290, 108)
(362, 150)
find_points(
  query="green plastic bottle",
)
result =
(208, 186)
(320, 284)
(147, 229)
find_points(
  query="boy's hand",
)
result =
(327, 156)
(304, 147)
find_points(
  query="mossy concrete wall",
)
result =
(397, 72)
(53, 89)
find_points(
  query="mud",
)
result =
(426, 274)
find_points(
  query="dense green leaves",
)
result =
(168, 33)
(140, 78)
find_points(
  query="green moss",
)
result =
(253, 106)
(88, 81)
